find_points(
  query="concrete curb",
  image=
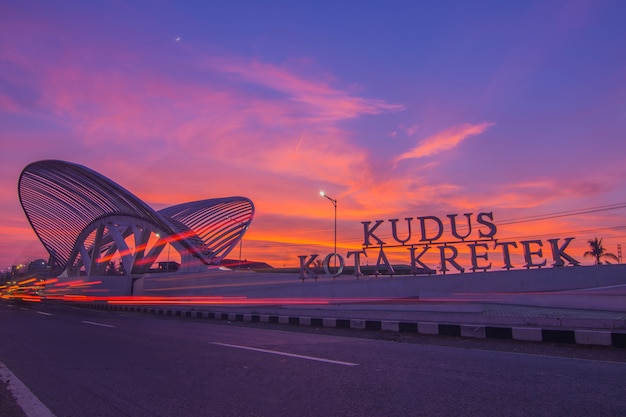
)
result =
(480, 331)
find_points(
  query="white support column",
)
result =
(141, 241)
(84, 256)
(92, 267)
(122, 247)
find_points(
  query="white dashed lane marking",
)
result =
(93, 323)
(293, 355)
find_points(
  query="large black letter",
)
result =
(394, 230)
(423, 226)
(453, 224)
(416, 260)
(382, 260)
(558, 253)
(327, 261)
(492, 227)
(506, 253)
(369, 232)
(451, 258)
(528, 253)
(475, 256)
(357, 261)
(305, 268)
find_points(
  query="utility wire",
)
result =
(564, 214)
(572, 233)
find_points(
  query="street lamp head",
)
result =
(332, 200)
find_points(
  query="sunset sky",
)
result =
(395, 108)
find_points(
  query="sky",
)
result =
(396, 109)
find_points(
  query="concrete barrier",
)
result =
(593, 337)
(529, 334)
(428, 328)
(358, 324)
(473, 331)
(390, 326)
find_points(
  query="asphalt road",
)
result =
(103, 363)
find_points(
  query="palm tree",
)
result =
(597, 251)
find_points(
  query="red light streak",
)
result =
(68, 283)
(104, 259)
(85, 284)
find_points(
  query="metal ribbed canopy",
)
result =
(217, 223)
(62, 199)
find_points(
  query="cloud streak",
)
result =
(443, 141)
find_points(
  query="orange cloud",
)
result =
(445, 140)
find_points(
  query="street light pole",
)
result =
(332, 200)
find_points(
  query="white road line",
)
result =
(30, 404)
(44, 313)
(311, 358)
(98, 324)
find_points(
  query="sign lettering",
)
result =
(481, 247)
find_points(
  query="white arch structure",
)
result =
(84, 220)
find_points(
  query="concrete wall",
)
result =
(574, 287)
(515, 281)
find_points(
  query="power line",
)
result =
(563, 214)
(575, 232)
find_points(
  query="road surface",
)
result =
(103, 363)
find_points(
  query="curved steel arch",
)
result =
(62, 200)
(217, 225)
